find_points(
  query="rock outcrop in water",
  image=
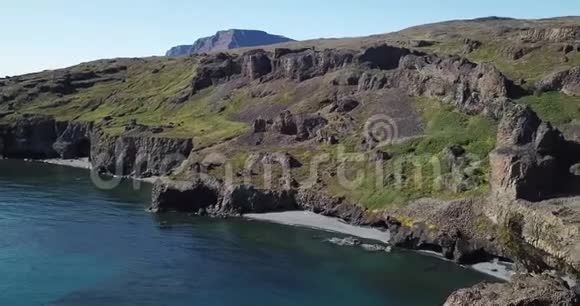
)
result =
(523, 290)
(209, 196)
(458, 230)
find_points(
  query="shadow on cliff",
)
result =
(568, 184)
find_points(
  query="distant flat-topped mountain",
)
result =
(229, 39)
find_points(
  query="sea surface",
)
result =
(63, 241)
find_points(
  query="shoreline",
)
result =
(84, 163)
(319, 222)
(500, 270)
(80, 163)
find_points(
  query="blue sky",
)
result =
(42, 34)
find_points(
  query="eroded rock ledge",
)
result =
(206, 195)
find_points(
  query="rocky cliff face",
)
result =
(470, 87)
(556, 34)
(458, 230)
(226, 40)
(206, 195)
(139, 156)
(30, 138)
(74, 141)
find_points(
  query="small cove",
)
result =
(65, 242)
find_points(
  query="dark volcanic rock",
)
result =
(309, 63)
(215, 69)
(279, 52)
(520, 174)
(382, 57)
(187, 197)
(419, 43)
(226, 40)
(138, 156)
(244, 199)
(285, 124)
(29, 138)
(74, 141)
(256, 63)
(309, 125)
(345, 105)
(260, 125)
(208, 196)
(219, 68)
(215, 198)
(523, 290)
(530, 178)
(304, 126)
(312, 200)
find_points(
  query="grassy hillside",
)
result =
(155, 92)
